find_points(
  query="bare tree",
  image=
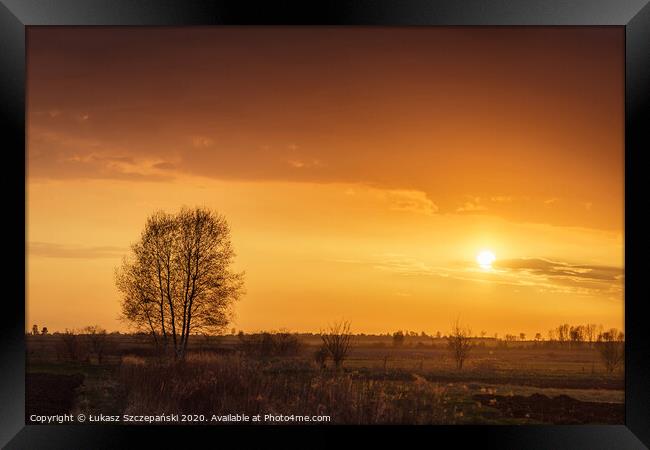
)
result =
(286, 344)
(261, 345)
(552, 335)
(611, 348)
(97, 340)
(577, 334)
(590, 333)
(71, 344)
(337, 340)
(563, 332)
(178, 278)
(320, 356)
(459, 343)
(398, 339)
(34, 329)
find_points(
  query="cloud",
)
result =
(60, 156)
(52, 250)
(550, 201)
(410, 200)
(164, 165)
(395, 262)
(118, 166)
(555, 269)
(202, 141)
(471, 206)
(537, 273)
(103, 159)
(300, 164)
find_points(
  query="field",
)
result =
(414, 383)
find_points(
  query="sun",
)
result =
(485, 259)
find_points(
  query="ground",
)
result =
(415, 383)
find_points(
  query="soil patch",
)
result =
(49, 394)
(558, 410)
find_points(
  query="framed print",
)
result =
(281, 221)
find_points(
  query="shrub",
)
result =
(459, 344)
(320, 356)
(265, 345)
(71, 345)
(337, 341)
(220, 385)
(612, 349)
(398, 339)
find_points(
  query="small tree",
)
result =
(577, 334)
(398, 339)
(34, 329)
(459, 343)
(286, 344)
(337, 342)
(97, 340)
(612, 349)
(563, 332)
(71, 344)
(44, 331)
(261, 345)
(590, 333)
(320, 356)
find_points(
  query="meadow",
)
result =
(416, 382)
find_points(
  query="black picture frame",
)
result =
(633, 15)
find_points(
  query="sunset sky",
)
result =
(361, 170)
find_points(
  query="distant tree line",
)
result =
(85, 344)
(265, 344)
(580, 334)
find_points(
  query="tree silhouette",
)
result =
(459, 343)
(337, 341)
(398, 339)
(611, 346)
(178, 278)
(71, 344)
(97, 339)
(320, 356)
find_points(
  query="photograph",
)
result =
(325, 225)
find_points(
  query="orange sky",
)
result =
(361, 170)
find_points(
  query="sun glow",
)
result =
(485, 259)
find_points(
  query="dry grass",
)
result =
(212, 384)
(410, 384)
(133, 360)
